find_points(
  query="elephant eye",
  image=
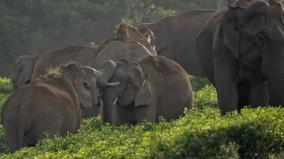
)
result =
(86, 85)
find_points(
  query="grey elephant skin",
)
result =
(52, 103)
(240, 50)
(155, 87)
(24, 70)
(175, 37)
(32, 66)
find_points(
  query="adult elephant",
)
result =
(82, 54)
(29, 67)
(242, 47)
(155, 87)
(24, 70)
(175, 37)
(52, 103)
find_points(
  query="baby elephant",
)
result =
(52, 104)
(155, 87)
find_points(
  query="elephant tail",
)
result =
(189, 102)
(14, 132)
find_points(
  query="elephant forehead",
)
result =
(118, 48)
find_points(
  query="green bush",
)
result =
(255, 133)
(5, 85)
(198, 82)
(201, 133)
(206, 97)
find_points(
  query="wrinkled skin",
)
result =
(156, 87)
(240, 51)
(51, 104)
(24, 70)
(175, 37)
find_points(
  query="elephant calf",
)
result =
(155, 87)
(51, 104)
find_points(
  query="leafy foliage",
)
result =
(206, 97)
(201, 133)
(5, 89)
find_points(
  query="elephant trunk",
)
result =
(276, 87)
(109, 100)
(275, 75)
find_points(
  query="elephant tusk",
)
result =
(112, 84)
(115, 101)
(101, 103)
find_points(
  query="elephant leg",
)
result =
(227, 94)
(259, 94)
(145, 113)
(121, 115)
(244, 91)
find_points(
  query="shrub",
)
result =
(5, 85)
(206, 97)
(201, 133)
(256, 133)
(198, 82)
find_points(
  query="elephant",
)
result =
(127, 43)
(82, 54)
(24, 69)
(52, 103)
(29, 67)
(175, 37)
(240, 50)
(153, 88)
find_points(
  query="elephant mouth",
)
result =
(27, 82)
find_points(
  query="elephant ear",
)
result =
(143, 96)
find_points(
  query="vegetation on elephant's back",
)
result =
(202, 133)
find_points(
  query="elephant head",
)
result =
(127, 43)
(133, 91)
(254, 30)
(159, 30)
(86, 82)
(24, 70)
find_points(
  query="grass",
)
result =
(201, 133)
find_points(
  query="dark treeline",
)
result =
(33, 26)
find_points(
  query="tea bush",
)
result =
(5, 85)
(5, 89)
(201, 133)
